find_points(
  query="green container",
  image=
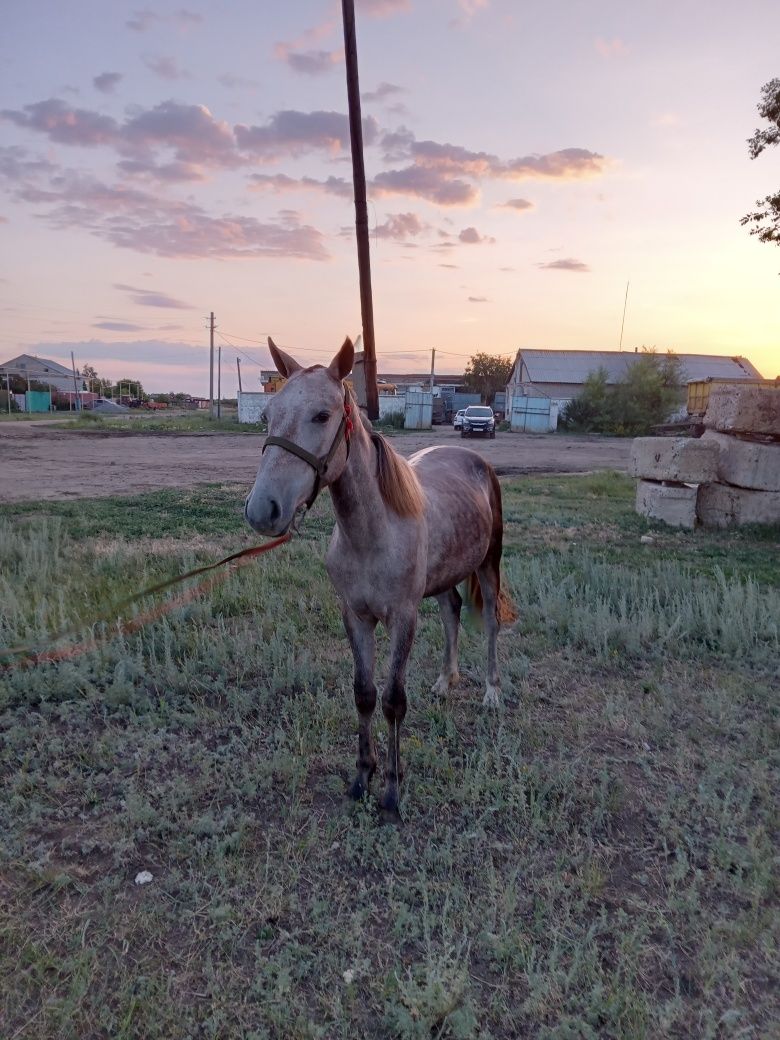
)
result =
(38, 401)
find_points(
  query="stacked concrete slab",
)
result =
(730, 476)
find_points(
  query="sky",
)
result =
(525, 161)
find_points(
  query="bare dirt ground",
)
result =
(44, 461)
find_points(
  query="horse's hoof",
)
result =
(492, 698)
(390, 815)
(388, 809)
(357, 790)
(442, 686)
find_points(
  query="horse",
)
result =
(405, 530)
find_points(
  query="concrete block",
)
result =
(748, 464)
(674, 504)
(683, 459)
(744, 409)
(721, 505)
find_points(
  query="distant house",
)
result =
(560, 374)
(41, 370)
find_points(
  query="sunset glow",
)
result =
(525, 162)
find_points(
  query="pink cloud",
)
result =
(64, 124)
(567, 264)
(148, 223)
(290, 132)
(471, 237)
(516, 205)
(106, 82)
(401, 226)
(152, 298)
(315, 63)
(382, 92)
(142, 21)
(566, 164)
(282, 182)
(190, 130)
(117, 326)
(166, 68)
(610, 48)
(383, 8)
(422, 183)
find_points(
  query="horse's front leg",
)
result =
(361, 633)
(402, 628)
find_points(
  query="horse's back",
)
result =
(462, 508)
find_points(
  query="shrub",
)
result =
(643, 398)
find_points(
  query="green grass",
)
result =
(599, 860)
(162, 422)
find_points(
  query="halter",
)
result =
(319, 465)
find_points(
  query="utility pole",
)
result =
(622, 324)
(219, 382)
(8, 390)
(433, 361)
(211, 365)
(238, 369)
(75, 387)
(361, 209)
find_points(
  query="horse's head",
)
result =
(306, 448)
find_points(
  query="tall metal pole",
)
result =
(361, 208)
(219, 382)
(238, 369)
(211, 365)
(75, 387)
(433, 361)
(622, 324)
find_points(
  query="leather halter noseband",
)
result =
(319, 465)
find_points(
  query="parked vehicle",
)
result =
(478, 419)
(457, 422)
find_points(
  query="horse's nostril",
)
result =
(275, 510)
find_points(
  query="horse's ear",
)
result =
(341, 365)
(285, 365)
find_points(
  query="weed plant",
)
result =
(596, 861)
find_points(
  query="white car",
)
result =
(457, 422)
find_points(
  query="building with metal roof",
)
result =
(40, 370)
(560, 374)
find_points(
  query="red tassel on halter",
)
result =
(350, 426)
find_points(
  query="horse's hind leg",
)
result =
(362, 639)
(449, 605)
(402, 628)
(490, 582)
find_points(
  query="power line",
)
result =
(389, 353)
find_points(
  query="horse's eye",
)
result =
(321, 417)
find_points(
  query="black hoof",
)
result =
(389, 812)
(357, 790)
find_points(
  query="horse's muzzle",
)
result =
(266, 515)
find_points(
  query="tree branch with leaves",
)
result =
(764, 221)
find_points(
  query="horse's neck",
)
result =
(361, 512)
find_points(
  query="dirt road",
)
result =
(42, 461)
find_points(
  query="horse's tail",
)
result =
(471, 593)
(506, 610)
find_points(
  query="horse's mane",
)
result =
(398, 483)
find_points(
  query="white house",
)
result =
(41, 370)
(560, 374)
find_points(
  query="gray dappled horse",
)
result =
(404, 530)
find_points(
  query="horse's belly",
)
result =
(455, 550)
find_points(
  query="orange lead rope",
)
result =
(27, 655)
